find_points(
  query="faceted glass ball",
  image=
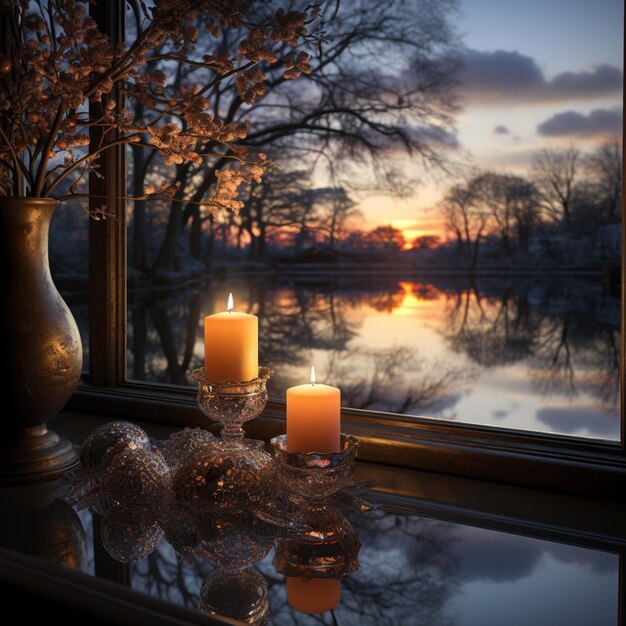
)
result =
(111, 439)
(183, 444)
(130, 533)
(238, 594)
(138, 475)
(182, 530)
(229, 541)
(230, 479)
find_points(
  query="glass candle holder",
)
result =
(315, 475)
(232, 403)
(230, 473)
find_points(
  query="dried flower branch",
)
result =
(61, 64)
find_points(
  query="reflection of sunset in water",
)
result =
(413, 301)
(537, 355)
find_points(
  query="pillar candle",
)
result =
(231, 346)
(314, 595)
(313, 417)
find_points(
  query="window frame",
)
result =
(524, 458)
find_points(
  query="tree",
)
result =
(352, 106)
(465, 218)
(281, 201)
(555, 174)
(426, 242)
(385, 239)
(336, 208)
(512, 203)
(604, 166)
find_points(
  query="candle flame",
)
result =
(231, 305)
(313, 379)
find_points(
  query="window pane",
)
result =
(441, 233)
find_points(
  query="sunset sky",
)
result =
(538, 73)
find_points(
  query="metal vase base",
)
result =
(34, 454)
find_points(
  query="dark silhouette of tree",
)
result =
(336, 208)
(466, 219)
(384, 239)
(604, 166)
(426, 242)
(280, 201)
(351, 109)
(512, 203)
(555, 173)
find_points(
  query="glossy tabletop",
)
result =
(420, 561)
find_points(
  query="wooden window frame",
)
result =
(547, 461)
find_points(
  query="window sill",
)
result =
(556, 516)
(548, 462)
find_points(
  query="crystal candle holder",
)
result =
(230, 473)
(315, 475)
(232, 403)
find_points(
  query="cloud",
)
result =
(577, 420)
(433, 136)
(517, 159)
(510, 77)
(571, 123)
(501, 130)
(436, 136)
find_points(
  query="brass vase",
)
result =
(40, 346)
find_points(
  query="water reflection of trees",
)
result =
(408, 575)
(571, 358)
(566, 332)
(492, 329)
(165, 575)
(162, 337)
(297, 318)
(294, 320)
(396, 380)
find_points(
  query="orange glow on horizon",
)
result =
(412, 229)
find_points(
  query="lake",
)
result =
(533, 353)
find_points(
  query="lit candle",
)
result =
(231, 345)
(313, 595)
(313, 417)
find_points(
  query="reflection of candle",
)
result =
(313, 595)
(313, 417)
(231, 346)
